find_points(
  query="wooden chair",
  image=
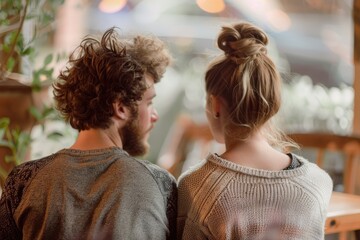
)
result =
(184, 136)
(344, 209)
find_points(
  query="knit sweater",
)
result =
(218, 199)
(95, 194)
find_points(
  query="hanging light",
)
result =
(211, 6)
(111, 6)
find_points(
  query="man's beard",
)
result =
(133, 138)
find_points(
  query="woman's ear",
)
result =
(121, 111)
(215, 105)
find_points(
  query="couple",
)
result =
(97, 189)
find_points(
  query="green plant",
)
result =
(16, 141)
(26, 26)
(37, 18)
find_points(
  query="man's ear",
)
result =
(121, 111)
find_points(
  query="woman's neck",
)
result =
(255, 152)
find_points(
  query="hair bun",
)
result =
(242, 42)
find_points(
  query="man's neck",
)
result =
(97, 139)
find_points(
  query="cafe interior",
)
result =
(314, 43)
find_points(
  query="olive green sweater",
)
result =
(218, 199)
(96, 194)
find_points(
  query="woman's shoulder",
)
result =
(193, 172)
(314, 169)
(315, 177)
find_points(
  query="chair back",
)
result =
(187, 143)
(348, 146)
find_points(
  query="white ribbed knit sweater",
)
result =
(218, 199)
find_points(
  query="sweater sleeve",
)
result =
(193, 230)
(171, 208)
(186, 227)
(15, 186)
(8, 228)
(168, 188)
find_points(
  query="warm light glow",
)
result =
(211, 6)
(257, 5)
(268, 12)
(278, 19)
(333, 41)
(111, 6)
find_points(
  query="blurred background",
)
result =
(311, 42)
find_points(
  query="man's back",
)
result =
(95, 194)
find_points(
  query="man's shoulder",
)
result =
(21, 176)
(33, 165)
(26, 171)
(168, 188)
(163, 178)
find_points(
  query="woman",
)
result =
(253, 190)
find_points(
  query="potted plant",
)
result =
(24, 90)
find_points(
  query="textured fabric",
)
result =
(219, 200)
(294, 162)
(96, 194)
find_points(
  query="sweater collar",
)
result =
(216, 159)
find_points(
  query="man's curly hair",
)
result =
(101, 72)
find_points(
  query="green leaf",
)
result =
(20, 42)
(24, 140)
(4, 122)
(48, 59)
(6, 48)
(27, 51)
(47, 73)
(36, 83)
(55, 135)
(12, 37)
(48, 111)
(36, 113)
(10, 64)
(47, 18)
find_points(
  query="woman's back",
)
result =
(219, 199)
(255, 190)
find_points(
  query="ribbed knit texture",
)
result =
(219, 200)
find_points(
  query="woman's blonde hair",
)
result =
(248, 81)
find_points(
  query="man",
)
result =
(96, 189)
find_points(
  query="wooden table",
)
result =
(343, 213)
